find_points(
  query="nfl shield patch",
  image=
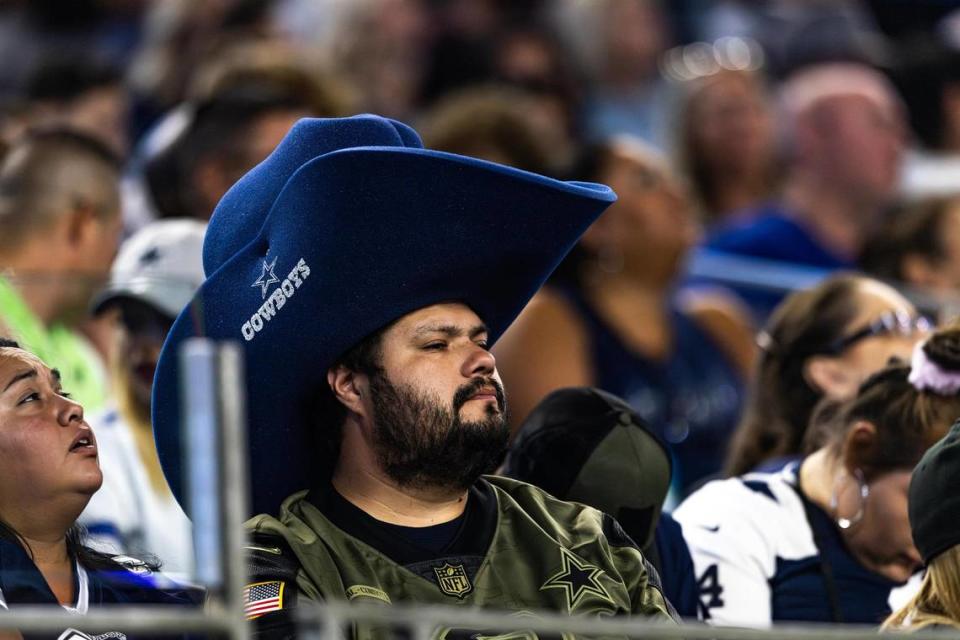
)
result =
(453, 580)
(262, 598)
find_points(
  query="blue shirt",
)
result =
(771, 233)
(692, 398)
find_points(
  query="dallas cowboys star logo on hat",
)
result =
(264, 281)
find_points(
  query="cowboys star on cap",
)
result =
(264, 281)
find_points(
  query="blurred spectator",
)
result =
(611, 319)
(845, 134)
(620, 42)
(256, 88)
(224, 137)
(585, 445)
(933, 508)
(59, 229)
(726, 142)
(106, 30)
(821, 342)
(919, 246)
(179, 37)
(497, 124)
(49, 471)
(827, 539)
(154, 276)
(384, 45)
(83, 95)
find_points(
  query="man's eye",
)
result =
(435, 346)
(29, 398)
(65, 394)
(483, 344)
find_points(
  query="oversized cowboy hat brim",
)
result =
(356, 239)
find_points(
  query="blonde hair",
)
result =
(938, 600)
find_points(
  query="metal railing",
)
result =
(214, 407)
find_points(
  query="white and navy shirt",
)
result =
(756, 560)
(127, 515)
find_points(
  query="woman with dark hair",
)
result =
(827, 538)
(49, 458)
(611, 318)
(726, 143)
(820, 342)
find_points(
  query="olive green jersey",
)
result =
(529, 552)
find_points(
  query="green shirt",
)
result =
(58, 346)
(541, 553)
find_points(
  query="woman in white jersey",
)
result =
(49, 471)
(827, 538)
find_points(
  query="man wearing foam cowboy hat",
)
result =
(366, 279)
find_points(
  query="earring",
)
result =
(864, 490)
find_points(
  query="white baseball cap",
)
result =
(160, 265)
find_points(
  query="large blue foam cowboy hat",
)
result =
(334, 237)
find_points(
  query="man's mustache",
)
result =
(467, 391)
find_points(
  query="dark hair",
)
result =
(76, 547)
(908, 420)
(590, 163)
(364, 357)
(64, 78)
(218, 130)
(704, 185)
(781, 399)
(915, 229)
(497, 118)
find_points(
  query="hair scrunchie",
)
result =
(925, 374)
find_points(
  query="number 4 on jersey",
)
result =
(709, 585)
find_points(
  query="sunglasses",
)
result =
(898, 323)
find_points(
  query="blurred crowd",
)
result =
(818, 140)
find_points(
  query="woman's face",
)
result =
(48, 450)
(873, 352)
(881, 540)
(731, 125)
(652, 223)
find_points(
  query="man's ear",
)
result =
(80, 226)
(830, 377)
(349, 388)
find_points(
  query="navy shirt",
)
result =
(692, 399)
(21, 583)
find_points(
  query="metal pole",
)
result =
(235, 482)
(200, 435)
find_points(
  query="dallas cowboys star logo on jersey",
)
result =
(266, 278)
(577, 578)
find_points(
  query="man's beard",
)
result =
(420, 443)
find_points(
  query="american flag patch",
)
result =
(261, 598)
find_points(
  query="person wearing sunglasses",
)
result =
(155, 274)
(827, 538)
(820, 342)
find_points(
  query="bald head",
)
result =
(845, 128)
(49, 174)
(808, 88)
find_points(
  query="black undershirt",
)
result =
(467, 535)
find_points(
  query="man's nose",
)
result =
(479, 362)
